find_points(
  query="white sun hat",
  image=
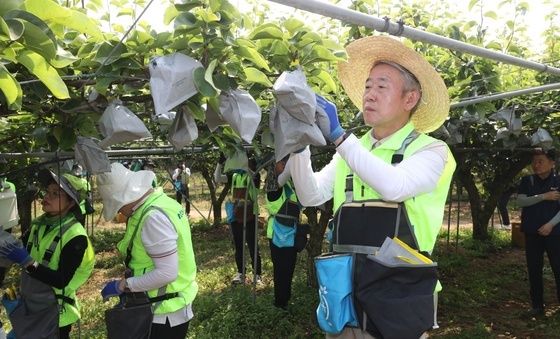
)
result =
(122, 186)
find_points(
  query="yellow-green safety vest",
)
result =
(273, 206)
(141, 263)
(71, 228)
(241, 181)
(425, 211)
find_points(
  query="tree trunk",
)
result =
(317, 232)
(483, 200)
(216, 200)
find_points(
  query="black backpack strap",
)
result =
(399, 154)
(52, 247)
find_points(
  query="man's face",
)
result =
(385, 105)
(541, 165)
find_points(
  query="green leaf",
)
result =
(102, 84)
(280, 47)
(9, 54)
(48, 75)
(196, 111)
(63, 58)
(188, 5)
(15, 29)
(170, 14)
(472, 3)
(326, 78)
(36, 40)
(245, 43)
(323, 54)
(8, 5)
(186, 19)
(491, 14)
(104, 55)
(201, 84)
(11, 88)
(65, 16)
(207, 15)
(494, 45)
(254, 75)
(66, 138)
(223, 82)
(26, 16)
(254, 56)
(209, 71)
(214, 104)
(215, 5)
(267, 31)
(125, 12)
(292, 25)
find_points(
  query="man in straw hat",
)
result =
(402, 97)
(156, 246)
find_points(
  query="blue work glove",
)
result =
(11, 335)
(328, 119)
(111, 289)
(9, 304)
(16, 253)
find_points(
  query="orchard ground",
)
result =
(485, 287)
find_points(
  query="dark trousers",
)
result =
(283, 263)
(237, 231)
(502, 208)
(160, 331)
(179, 197)
(64, 332)
(535, 246)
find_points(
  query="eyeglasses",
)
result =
(52, 194)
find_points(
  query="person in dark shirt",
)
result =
(539, 198)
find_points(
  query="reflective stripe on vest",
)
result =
(425, 211)
(141, 263)
(45, 247)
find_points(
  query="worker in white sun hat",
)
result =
(157, 250)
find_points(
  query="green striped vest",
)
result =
(71, 228)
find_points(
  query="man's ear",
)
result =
(411, 99)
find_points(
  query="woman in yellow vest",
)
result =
(57, 250)
(283, 222)
(156, 246)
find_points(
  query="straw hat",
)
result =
(121, 187)
(363, 53)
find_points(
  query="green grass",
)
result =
(485, 291)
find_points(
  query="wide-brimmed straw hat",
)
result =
(433, 108)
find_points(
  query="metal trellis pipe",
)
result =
(369, 21)
(504, 95)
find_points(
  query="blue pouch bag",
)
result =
(282, 235)
(336, 307)
(229, 207)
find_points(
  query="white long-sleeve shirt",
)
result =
(416, 174)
